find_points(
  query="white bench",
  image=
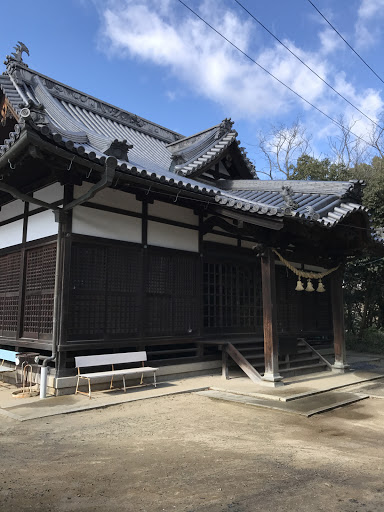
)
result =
(112, 360)
(11, 357)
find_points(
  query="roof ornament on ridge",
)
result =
(224, 127)
(290, 203)
(119, 149)
(247, 161)
(17, 55)
(34, 112)
(312, 213)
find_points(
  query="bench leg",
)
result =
(89, 388)
(77, 385)
(111, 386)
(125, 388)
(154, 378)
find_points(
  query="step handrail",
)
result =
(316, 352)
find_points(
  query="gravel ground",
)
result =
(190, 453)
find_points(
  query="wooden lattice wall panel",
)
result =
(105, 292)
(289, 302)
(39, 292)
(301, 312)
(232, 297)
(172, 294)
(9, 293)
(113, 298)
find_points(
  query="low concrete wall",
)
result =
(67, 385)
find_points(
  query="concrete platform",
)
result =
(367, 382)
(307, 407)
(23, 409)
(299, 387)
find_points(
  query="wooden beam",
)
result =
(338, 321)
(270, 317)
(245, 365)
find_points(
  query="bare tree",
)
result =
(281, 147)
(376, 136)
(347, 148)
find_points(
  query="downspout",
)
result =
(106, 181)
(56, 311)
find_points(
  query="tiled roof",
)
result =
(10, 92)
(325, 202)
(87, 127)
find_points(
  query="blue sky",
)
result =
(155, 59)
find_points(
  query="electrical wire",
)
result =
(337, 123)
(345, 41)
(306, 65)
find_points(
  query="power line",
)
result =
(306, 65)
(337, 123)
(345, 41)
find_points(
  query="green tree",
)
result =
(364, 277)
(310, 168)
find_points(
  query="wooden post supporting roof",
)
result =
(270, 318)
(338, 321)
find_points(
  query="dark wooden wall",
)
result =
(309, 313)
(27, 279)
(124, 292)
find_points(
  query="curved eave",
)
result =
(213, 153)
(333, 218)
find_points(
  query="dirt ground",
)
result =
(190, 453)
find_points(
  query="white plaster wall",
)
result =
(91, 222)
(110, 197)
(41, 225)
(50, 194)
(173, 212)
(211, 237)
(11, 234)
(11, 210)
(173, 237)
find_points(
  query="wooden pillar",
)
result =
(271, 353)
(64, 316)
(338, 321)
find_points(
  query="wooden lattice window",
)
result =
(232, 297)
(9, 293)
(39, 292)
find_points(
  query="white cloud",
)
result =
(205, 62)
(155, 32)
(329, 41)
(369, 23)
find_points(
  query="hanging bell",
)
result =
(320, 287)
(309, 287)
(299, 286)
